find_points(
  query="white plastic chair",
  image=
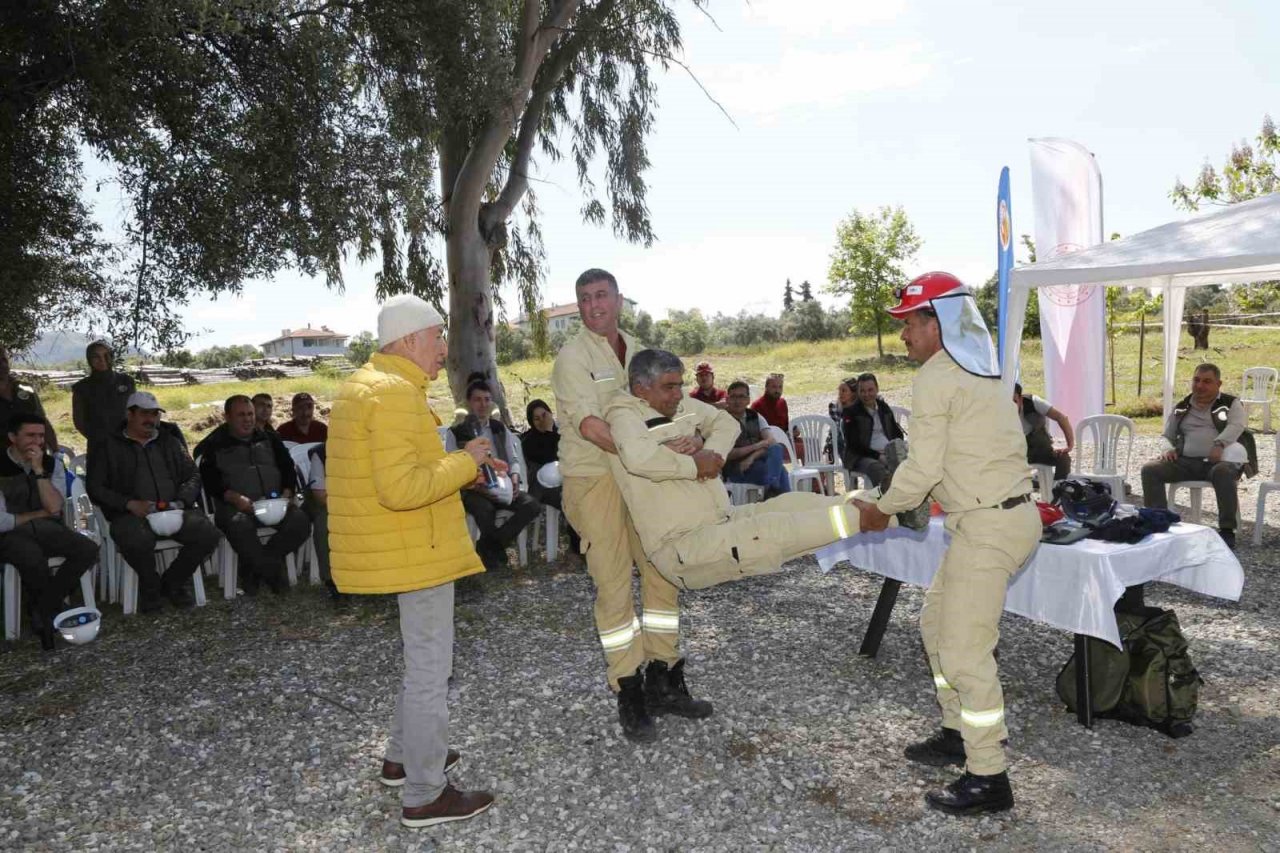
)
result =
(1196, 489)
(165, 552)
(1111, 437)
(902, 415)
(814, 431)
(229, 563)
(798, 473)
(744, 493)
(1043, 475)
(1266, 487)
(13, 596)
(1259, 388)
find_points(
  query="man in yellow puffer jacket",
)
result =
(396, 526)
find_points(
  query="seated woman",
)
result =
(846, 396)
(541, 446)
(868, 426)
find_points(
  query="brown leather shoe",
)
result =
(393, 774)
(452, 804)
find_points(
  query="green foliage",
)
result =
(684, 332)
(639, 324)
(788, 297)
(1248, 172)
(744, 330)
(512, 343)
(179, 358)
(226, 356)
(361, 347)
(868, 263)
(808, 321)
(806, 291)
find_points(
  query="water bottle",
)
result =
(490, 476)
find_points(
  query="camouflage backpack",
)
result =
(1152, 682)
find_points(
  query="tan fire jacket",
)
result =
(660, 486)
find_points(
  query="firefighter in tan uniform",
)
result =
(968, 451)
(589, 371)
(678, 502)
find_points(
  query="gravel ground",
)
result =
(259, 724)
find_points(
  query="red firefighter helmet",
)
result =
(922, 289)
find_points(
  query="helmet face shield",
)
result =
(964, 334)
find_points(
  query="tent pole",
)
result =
(1142, 340)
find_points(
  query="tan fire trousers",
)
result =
(757, 539)
(961, 624)
(594, 506)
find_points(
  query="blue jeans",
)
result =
(767, 471)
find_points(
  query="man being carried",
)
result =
(756, 456)
(1202, 439)
(689, 530)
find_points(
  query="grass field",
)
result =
(810, 368)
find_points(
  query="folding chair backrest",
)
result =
(1106, 432)
(785, 440)
(814, 430)
(1259, 384)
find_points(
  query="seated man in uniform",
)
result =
(241, 465)
(681, 512)
(1203, 442)
(141, 467)
(756, 456)
(31, 528)
(1036, 414)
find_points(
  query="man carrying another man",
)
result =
(98, 401)
(1202, 438)
(31, 528)
(239, 466)
(141, 467)
(756, 456)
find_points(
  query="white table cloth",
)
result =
(1072, 587)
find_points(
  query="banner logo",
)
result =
(1006, 226)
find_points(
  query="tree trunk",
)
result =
(879, 342)
(471, 318)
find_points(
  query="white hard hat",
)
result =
(549, 475)
(78, 625)
(165, 523)
(270, 511)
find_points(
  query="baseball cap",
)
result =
(144, 400)
(703, 367)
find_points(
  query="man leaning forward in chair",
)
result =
(688, 529)
(141, 467)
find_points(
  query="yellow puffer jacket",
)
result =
(396, 522)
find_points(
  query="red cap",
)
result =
(703, 367)
(922, 289)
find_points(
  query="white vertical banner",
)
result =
(1066, 191)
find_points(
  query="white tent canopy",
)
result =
(1236, 244)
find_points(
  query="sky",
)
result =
(843, 105)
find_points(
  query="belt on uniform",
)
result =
(1010, 503)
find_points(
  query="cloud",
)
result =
(810, 78)
(823, 17)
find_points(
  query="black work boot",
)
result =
(637, 725)
(943, 747)
(972, 794)
(665, 692)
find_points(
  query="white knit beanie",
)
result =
(403, 315)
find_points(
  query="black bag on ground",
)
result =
(1151, 683)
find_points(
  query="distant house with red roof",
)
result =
(298, 343)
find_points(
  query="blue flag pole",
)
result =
(1004, 257)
